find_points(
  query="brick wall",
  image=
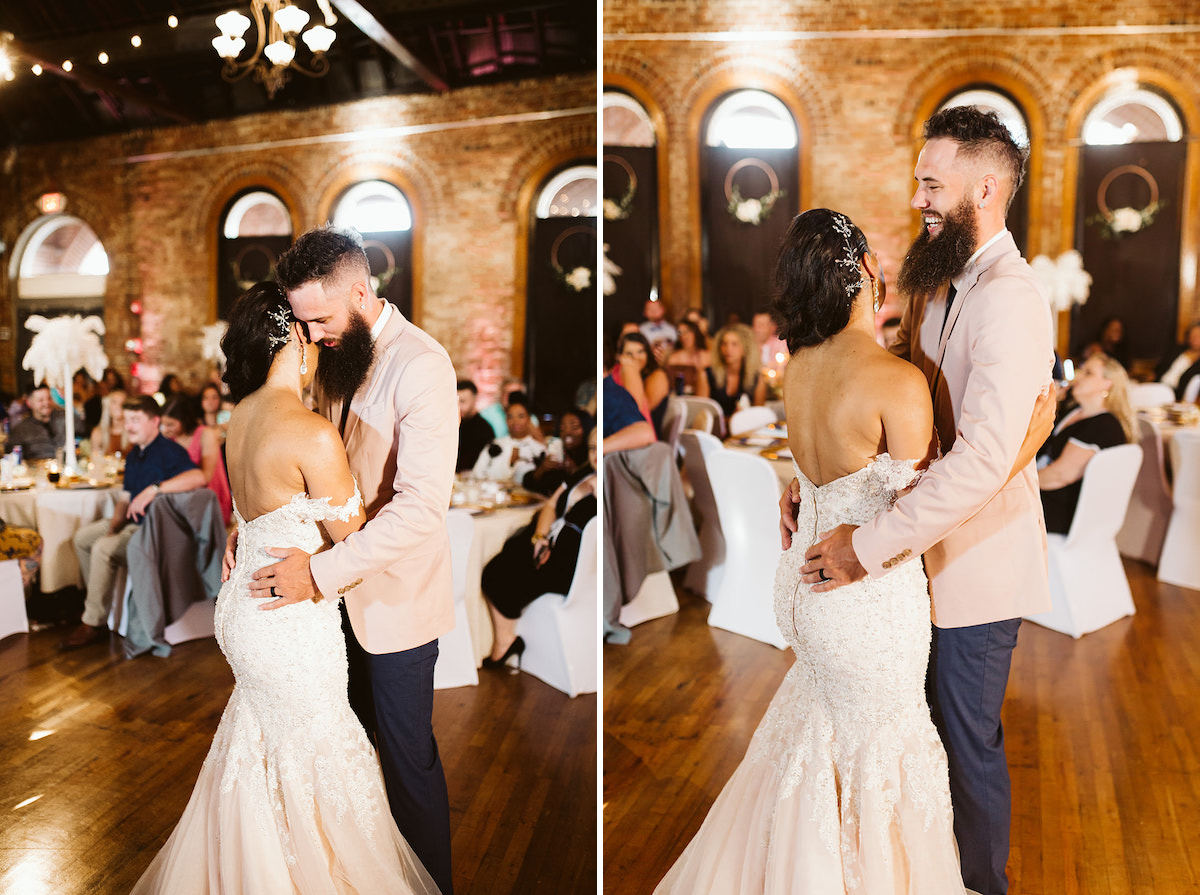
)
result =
(462, 159)
(861, 76)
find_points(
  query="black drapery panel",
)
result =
(738, 257)
(390, 257)
(1018, 217)
(1136, 276)
(560, 320)
(242, 262)
(631, 191)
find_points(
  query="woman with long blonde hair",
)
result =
(736, 370)
(1103, 418)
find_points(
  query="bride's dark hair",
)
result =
(816, 277)
(258, 328)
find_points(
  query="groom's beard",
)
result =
(343, 369)
(932, 261)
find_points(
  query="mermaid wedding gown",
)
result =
(844, 787)
(291, 797)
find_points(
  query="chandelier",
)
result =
(278, 22)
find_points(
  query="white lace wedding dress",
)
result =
(844, 787)
(291, 797)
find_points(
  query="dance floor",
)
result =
(98, 756)
(1103, 735)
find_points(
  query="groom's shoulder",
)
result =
(410, 342)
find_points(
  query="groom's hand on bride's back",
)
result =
(789, 506)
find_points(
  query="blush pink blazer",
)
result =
(402, 440)
(983, 537)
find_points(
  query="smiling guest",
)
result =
(511, 456)
(155, 465)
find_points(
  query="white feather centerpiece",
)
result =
(60, 347)
(1067, 283)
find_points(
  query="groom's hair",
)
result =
(325, 254)
(981, 136)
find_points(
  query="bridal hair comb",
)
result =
(842, 225)
(282, 320)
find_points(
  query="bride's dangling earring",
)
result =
(303, 359)
(875, 295)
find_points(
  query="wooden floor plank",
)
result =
(1101, 736)
(129, 738)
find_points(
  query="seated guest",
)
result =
(497, 414)
(87, 399)
(735, 376)
(154, 466)
(687, 363)
(109, 437)
(1110, 340)
(559, 465)
(659, 332)
(171, 387)
(510, 456)
(1187, 357)
(1103, 418)
(180, 424)
(637, 371)
(22, 544)
(474, 432)
(538, 559)
(214, 409)
(44, 431)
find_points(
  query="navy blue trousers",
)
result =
(392, 694)
(968, 674)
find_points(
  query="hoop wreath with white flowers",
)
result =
(752, 211)
(619, 209)
(579, 277)
(1116, 223)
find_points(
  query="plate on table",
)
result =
(16, 486)
(783, 453)
(524, 498)
(80, 484)
(759, 440)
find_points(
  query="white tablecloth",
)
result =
(492, 529)
(56, 514)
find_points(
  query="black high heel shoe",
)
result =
(516, 648)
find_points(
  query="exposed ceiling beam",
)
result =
(368, 24)
(99, 83)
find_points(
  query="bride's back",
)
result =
(269, 434)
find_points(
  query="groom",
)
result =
(979, 328)
(391, 389)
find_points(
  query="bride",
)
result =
(290, 797)
(844, 787)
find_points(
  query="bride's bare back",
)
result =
(847, 400)
(276, 448)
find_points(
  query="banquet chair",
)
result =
(704, 575)
(1179, 563)
(13, 619)
(674, 420)
(456, 651)
(1141, 536)
(746, 421)
(715, 415)
(746, 491)
(1150, 394)
(655, 599)
(1088, 587)
(1192, 390)
(562, 638)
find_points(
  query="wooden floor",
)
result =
(98, 756)
(1102, 736)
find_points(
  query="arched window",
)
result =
(1012, 116)
(59, 267)
(255, 228)
(560, 308)
(630, 168)
(1129, 223)
(749, 192)
(381, 213)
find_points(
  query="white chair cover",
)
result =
(697, 405)
(1150, 394)
(1150, 505)
(1179, 563)
(656, 598)
(13, 619)
(562, 635)
(1192, 390)
(746, 491)
(704, 575)
(1088, 587)
(456, 651)
(750, 419)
